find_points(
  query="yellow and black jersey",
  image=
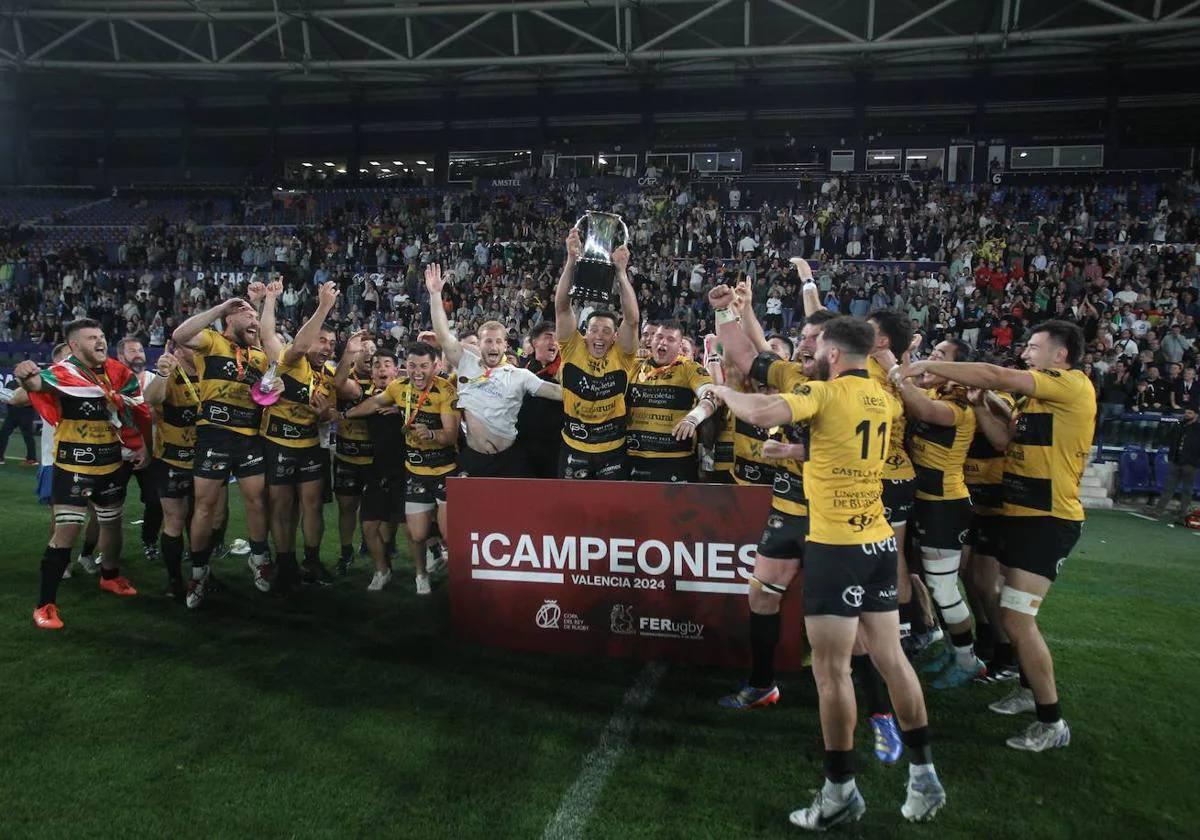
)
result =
(723, 450)
(175, 431)
(659, 398)
(788, 489)
(1049, 450)
(594, 395)
(749, 465)
(353, 439)
(227, 371)
(425, 407)
(850, 420)
(85, 439)
(938, 452)
(292, 421)
(898, 466)
(983, 469)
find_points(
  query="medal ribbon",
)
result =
(410, 414)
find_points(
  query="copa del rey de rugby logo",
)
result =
(550, 616)
(612, 562)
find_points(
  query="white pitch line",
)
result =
(575, 809)
(1142, 516)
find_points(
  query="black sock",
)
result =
(917, 741)
(312, 555)
(347, 553)
(389, 549)
(839, 766)
(110, 574)
(1048, 712)
(963, 639)
(764, 636)
(54, 563)
(910, 615)
(152, 519)
(200, 557)
(1002, 656)
(259, 548)
(218, 535)
(172, 553)
(286, 561)
(873, 689)
(985, 640)
(89, 549)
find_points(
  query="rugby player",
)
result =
(1043, 517)
(133, 354)
(228, 443)
(96, 407)
(850, 565)
(539, 425)
(352, 382)
(490, 391)
(595, 374)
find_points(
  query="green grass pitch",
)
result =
(345, 714)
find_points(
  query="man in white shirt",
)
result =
(490, 391)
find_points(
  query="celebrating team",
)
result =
(853, 437)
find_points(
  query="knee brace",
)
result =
(941, 577)
(70, 517)
(1018, 601)
(105, 515)
(769, 588)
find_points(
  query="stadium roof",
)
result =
(469, 41)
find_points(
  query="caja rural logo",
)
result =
(613, 562)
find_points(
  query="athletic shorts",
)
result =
(172, 482)
(986, 534)
(424, 492)
(595, 466)
(511, 463)
(221, 453)
(44, 486)
(668, 470)
(944, 524)
(380, 501)
(349, 479)
(784, 536)
(79, 489)
(1037, 544)
(848, 580)
(898, 497)
(288, 466)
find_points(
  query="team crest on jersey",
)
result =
(802, 390)
(860, 521)
(1052, 372)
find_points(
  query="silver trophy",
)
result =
(595, 272)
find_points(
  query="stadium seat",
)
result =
(1134, 471)
(1158, 469)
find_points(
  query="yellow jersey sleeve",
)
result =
(786, 377)
(206, 341)
(1051, 386)
(698, 377)
(805, 401)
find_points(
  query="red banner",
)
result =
(644, 570)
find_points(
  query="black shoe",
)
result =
(362, 549)
(316, 573)
(344, 566)
(177, 592)
(151, 553)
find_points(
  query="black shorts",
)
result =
(594, 466)
(986, 534)
(848, 580)
(380, 501)
(221, 453)
(349, 479)
(1037, 544)
(289, 466)
(944, 524)
(784, 536)
(898, 498)
(669, 470)
(511, 463)
(173, 482)
(80, 489)
(423, 492)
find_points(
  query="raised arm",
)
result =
(156, 392)
(743, 305)
(306, 336)
(451, 347)
(737, 349)
(762, 410)
(921, 406)
(565, 321)
(627, 333)
(810, 293)
(976, 375)
(343, 385)
(189, 332)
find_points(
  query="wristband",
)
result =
(725, 316)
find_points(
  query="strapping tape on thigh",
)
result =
(773, 588)
(1018, 601)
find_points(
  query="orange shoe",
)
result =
(117, 586)
(47, 618)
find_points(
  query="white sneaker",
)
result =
(67, 573)
(435, 562)
(824, 812)
(1018, 703)
(423, 587)
(379, 580)
(88, 563)
(260, 566)
(196, 590)
(925, 798)
(1039, 737)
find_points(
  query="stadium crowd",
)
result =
(940, 360)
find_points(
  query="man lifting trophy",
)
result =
(595, 272)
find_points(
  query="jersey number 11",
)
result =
(864, 429)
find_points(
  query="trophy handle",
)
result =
(624, 227)
(578, 223)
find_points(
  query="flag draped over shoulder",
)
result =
(122, 393)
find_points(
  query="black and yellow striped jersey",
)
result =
(723, 450)
(86, 439)
(938, 452)
(788, 486)
(425, 407)
(1047, 456)
(749, 465)
(353, 437)
(227, 371)
(175, 432)
(659, 398)
(898, 466)
(292, 421)
(983, 470)
(594, 395)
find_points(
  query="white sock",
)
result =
(198, 572)
(839, 791)
(965, 656)
(915, 770)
